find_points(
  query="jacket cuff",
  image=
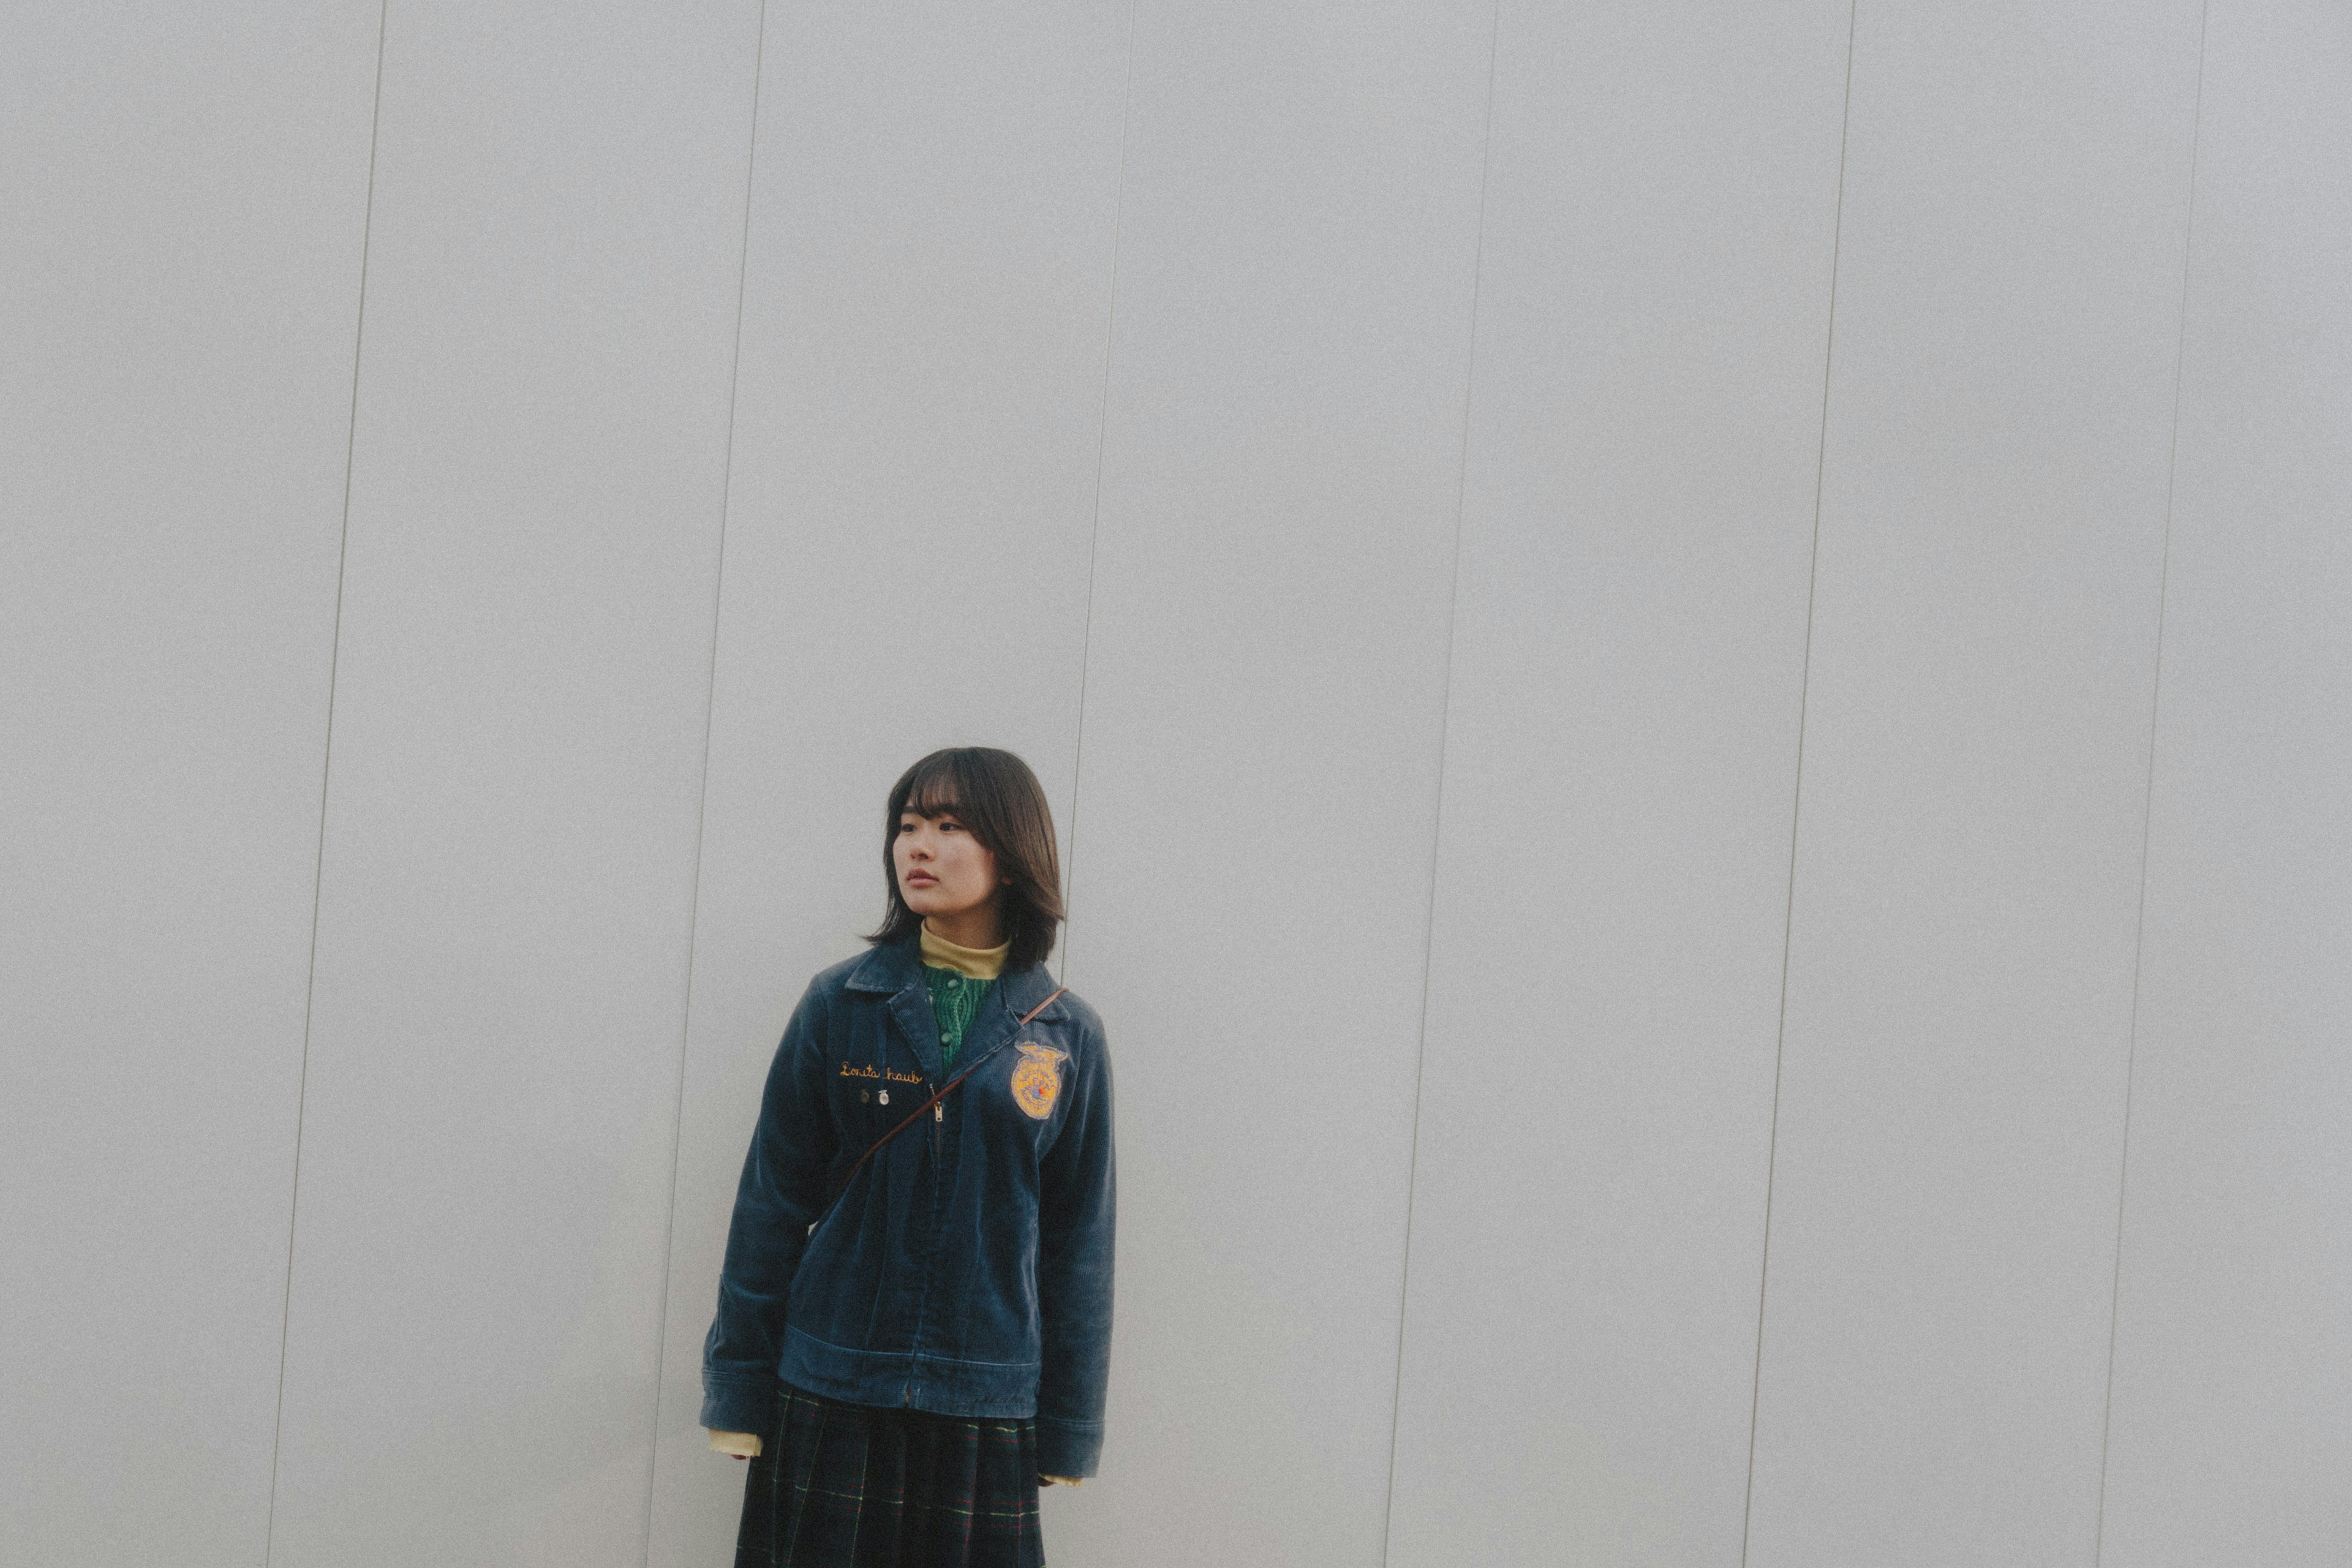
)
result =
(733, 1404)
(1068, 1447)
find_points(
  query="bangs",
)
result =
(932, 792)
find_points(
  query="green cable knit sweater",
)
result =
(959, 980)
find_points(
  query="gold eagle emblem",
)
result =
(1037, 1079)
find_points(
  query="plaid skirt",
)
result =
(855, 1486)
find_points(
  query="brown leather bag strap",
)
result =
(917, 1114)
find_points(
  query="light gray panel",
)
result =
(185, 192)
(514, 784)
(1258, 781)
(2230, 1430)
(1966, 875)
(927, 298)
(1596, 1093)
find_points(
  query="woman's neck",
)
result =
(977, 929)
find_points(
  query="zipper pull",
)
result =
(938, 1112)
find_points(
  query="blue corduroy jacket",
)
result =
(967, 1268)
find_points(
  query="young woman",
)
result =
(913, 1317)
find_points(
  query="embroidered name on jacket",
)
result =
(1037, 1079)
(891, 1074)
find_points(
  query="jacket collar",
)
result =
(896, 970)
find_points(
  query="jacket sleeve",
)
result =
(1076, 1207)
(778, 1198)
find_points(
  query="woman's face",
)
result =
(943, 869)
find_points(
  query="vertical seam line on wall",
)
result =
(1796, 805)
(326, 765)
(702, 801)
(2148, 806)
(1437, 814)
(1102, 440)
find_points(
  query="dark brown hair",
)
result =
(999, 801)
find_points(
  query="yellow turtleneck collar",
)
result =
(980, 962)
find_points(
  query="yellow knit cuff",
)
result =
(743, 1445)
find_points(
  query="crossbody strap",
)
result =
(917, 1114)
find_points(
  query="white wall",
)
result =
(1690, 665)
(1956, 1013)
(182, 206)
(1628, 674)
(514, 784)
(2232, 1341)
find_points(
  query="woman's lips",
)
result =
(919, 880)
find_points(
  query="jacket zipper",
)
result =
(939, 1160)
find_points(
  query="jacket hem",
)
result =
(909, 1380)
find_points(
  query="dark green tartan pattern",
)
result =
(853, 1486)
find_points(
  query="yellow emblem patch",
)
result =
(1037, 1079)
